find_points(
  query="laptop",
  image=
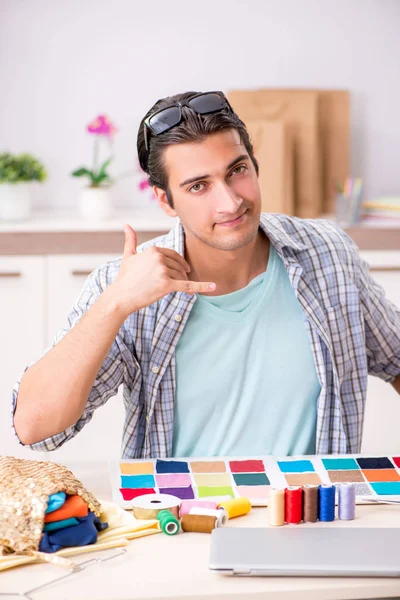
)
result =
(296, 550)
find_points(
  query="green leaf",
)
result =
(103, 167)
(82, 171)
(98, 179)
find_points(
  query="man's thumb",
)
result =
(130, 241)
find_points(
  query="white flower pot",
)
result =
(95, 203)
(15, 201)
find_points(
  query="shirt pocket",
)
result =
(346, 330)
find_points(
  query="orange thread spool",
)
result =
(198, 523)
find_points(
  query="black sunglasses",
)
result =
(170, 116)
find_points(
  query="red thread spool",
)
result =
(293, 504)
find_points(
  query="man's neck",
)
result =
(230, 270)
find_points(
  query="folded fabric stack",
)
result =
(69, 522)
(381, 211)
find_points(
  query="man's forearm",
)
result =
(54, 391)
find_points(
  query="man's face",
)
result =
(215, 190)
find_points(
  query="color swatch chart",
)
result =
(190, 478)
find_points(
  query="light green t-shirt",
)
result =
(246, 382)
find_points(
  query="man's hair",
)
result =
(192, 128)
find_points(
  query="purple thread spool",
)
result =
(347, 501)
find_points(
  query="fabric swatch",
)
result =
(184, 493)
(296, 466)
(247, 466)
(253, 491)
(376, 475)
(205, 492)
(173, 480)
(303, 479)
(251, 479)
(55, 501)
(137, 481)
(171, 466)
(60, 524)
(79, 535)
(381, 462)
(346, 476)
(74, 506)
(130, 494)
(339, 464)
(386, 487)
(202, 466)
(139, 468)
(212, 479)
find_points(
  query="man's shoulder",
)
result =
(317, 234)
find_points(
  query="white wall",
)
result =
(62, 62)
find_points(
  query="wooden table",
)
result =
(176, 568)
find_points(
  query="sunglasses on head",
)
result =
(170, 116)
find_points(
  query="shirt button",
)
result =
(155, 369)
(178, 318)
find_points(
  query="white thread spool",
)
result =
(276, 507)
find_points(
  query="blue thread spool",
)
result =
(326, 497)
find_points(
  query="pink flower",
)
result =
(102, 126)
(144, 184)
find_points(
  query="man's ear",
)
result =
(162, 200)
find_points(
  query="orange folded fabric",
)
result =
(74, 506)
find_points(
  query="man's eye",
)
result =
(238, 170)
(197, 187)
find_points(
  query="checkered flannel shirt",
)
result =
(353, 330)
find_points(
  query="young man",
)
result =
(235, 334)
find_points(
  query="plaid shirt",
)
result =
(353, 329)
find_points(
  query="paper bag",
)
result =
(272, 149)
(299, 111)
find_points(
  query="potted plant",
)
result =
(95, 199)
(18, 172)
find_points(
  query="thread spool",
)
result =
(326, 502)
(198, 523)
(220, 514)
(276, 507)
(149, 505)
(310, 503)
(168, 523)
(187, 505)
(237, 507)
(347, 501)
(293, 504)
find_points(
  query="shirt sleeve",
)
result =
(381, 319)
(118, 367)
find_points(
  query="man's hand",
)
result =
(146, 277)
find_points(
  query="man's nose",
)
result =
(227, 201)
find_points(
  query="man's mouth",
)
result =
(233, 222)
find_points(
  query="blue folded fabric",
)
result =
(60, 524)
(55, 501)
(78, 535)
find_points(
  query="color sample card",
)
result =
(228, 477)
